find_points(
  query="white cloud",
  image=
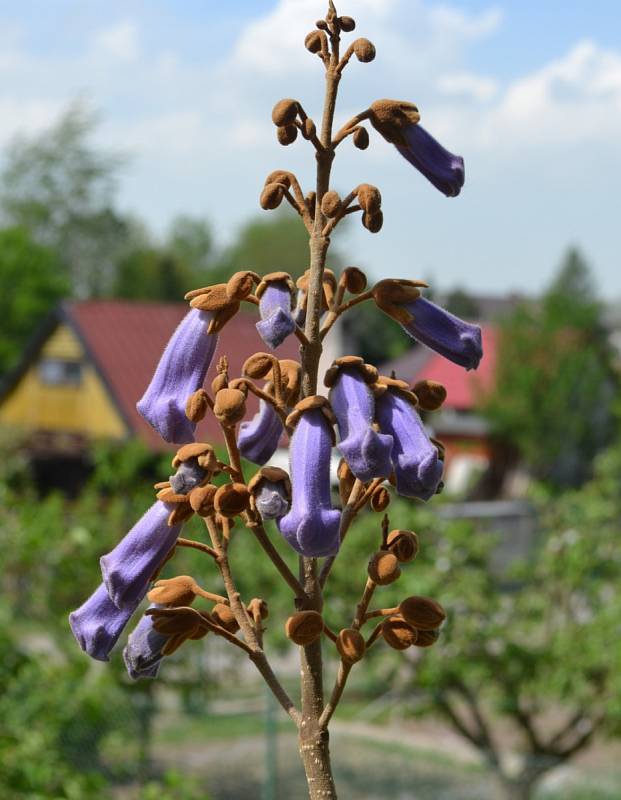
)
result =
(466, 84)
(119, 41)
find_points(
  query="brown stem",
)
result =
(197, 546)
(279, 409)
(336, 313)
(265, 542)
(349, 126)
(233, 451)
(349, 512)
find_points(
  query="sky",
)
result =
(528, 92)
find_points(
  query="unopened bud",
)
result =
(361, 138)
(258, 607)
(271, 196)
(258, 365)
(284, 112)
(304, 627)
(331, 204)
(201, 499)
(380, 499)
(351, 645)
(355, 280)
(427, 638)
(197, 405)
(347, 24)
(373, 222)
(229, 406)
(231, 499)
(431, 395)
(369, 198)
(404, 544)
(287, 134)
(224, 617)
(398, 633)
(383, 568)
(346, 481)
(364, 50)
(219, 382)
(178, 591)
(313, 41)
(422, 613)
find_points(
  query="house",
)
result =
(90, 362)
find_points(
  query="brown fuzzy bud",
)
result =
(219, 382)
(422, 613)
(195, 450)
(271, 196)
(258, 365)
(351, 645)
(427, 638)
(380, 499)
(258, 607)
(313, 41)
(321, 24)
(229, 406)
(361, 138)
(346, 481)
(373, 222)
(383, 568)
(369, 198)
(287, 134)
(431, 395)
(404, 544)
(398, 633)
(309, 129)
(201, 499)
(355, 280)
(197, 405)
(304, 627)
(231, 499)
(279, 176)
(178, 591)
(331, 204)
(284, 112)
(241, 284)
(364, 50)
(391, 117)
(347, 24)
(222, 615)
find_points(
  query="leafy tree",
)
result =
(190, 240)
(60, 187)
(460, 303)
(555, 383)
(33, 285)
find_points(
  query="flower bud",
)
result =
(241, 284)
(231, 499)
(197, 405)
(304, 627)
(422, 613)
(373, 222)
(219, 382)
(201, 451)
(431, 395)
(369, 198)
(380, 499)
(178, 591)
(201, 499)
(229, 406)
(287, 134)
(364, 50)
(346, 481)
(309, 129)
(313, 41)
(331, 204)
(258, 607)
(355, 280)
(258, 365)
(383, 568)
(427, 638)
(347, 24)
(398, 634)
(224, 617)
(361, 138)
(284, 112)
(404, 544)
(321, 24)
(351, 645)
(279, 176)
(271, 196)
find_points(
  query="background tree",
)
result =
(555, 382)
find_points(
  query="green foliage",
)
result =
(555, 383)
(34, 284)
(376, 337)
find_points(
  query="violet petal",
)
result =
(98, 623)
(445, 333)
(271, 500)
(128, 568)
(312, 526)
(143, 652)
(258, 438)
(443, 169)
(418, 469)
(366, 451)
(276, 319)
(180, 372)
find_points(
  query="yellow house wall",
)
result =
(85, 409)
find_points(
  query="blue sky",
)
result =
(529, 93)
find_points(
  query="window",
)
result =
(59, 372)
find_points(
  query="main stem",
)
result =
(313, 738)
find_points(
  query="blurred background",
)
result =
(134, 143)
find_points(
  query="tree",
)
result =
(190, 240)
(33, 285)
(555, 382)
(61, 188)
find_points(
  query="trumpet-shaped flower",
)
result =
(180, 372)
(366, 451)
(128, 568)
(418, 469)
(443, 169)
(276, 318)
(98, 623)
(258, 438)
(445, 333)
(271, 500)
(143, 652)
(312, 526)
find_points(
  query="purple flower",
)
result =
(445, 333)
(180, 372)
(128, 568)
(418, 469)
(258, 439)
(442, 168)
(276, 319)
(312, 526)
(98, 623)
(271, 499)
(143, 652)
(366, 451)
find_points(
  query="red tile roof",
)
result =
(125, 341)
(463, 388)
